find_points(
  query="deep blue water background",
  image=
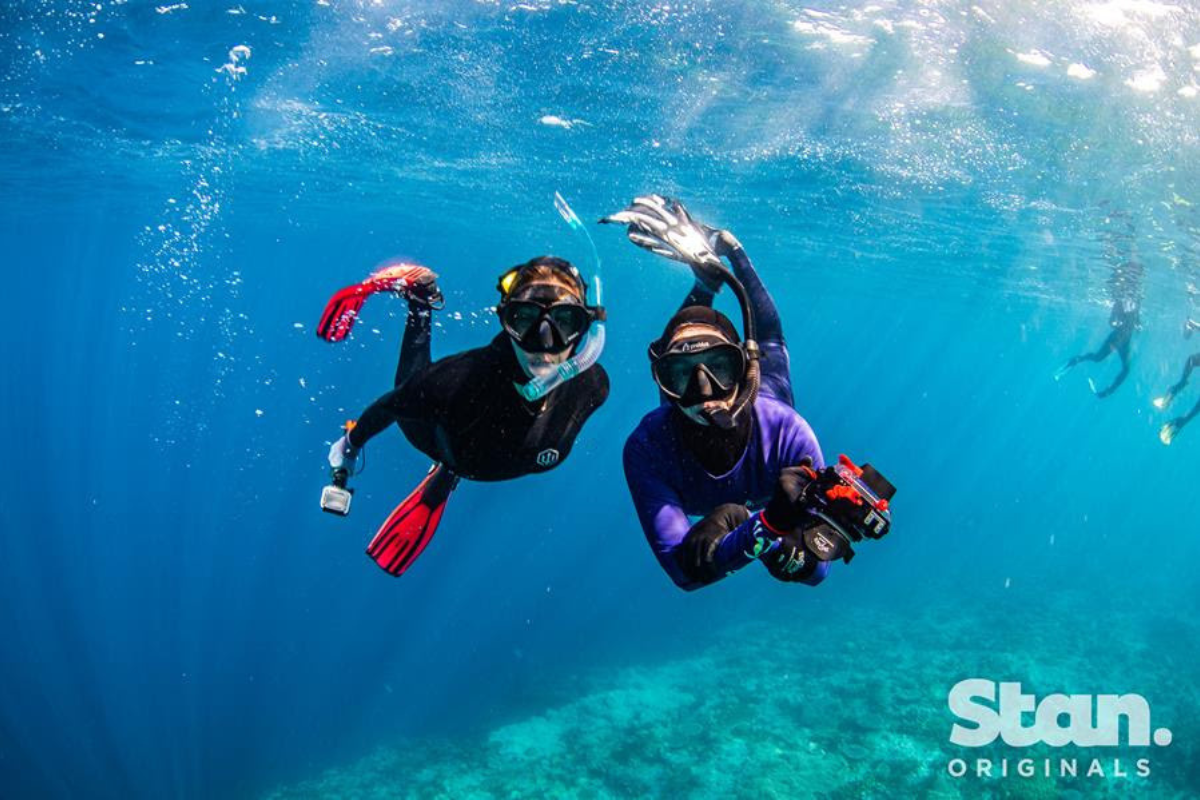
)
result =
(929, 210)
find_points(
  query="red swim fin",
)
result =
(408, 280)
(405, 533)
(341, 311)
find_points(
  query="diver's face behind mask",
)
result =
(544, 320)
(701, 371)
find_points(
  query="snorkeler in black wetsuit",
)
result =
(1125, 291)
(466, 411)
(1171, 429)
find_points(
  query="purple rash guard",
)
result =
(668, 485)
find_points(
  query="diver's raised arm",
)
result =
(775, 361)
(683, 550)
(766, 315)
(405, 403)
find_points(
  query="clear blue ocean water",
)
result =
(927, 188)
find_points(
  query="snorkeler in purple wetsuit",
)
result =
(726, 438)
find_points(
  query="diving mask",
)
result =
(688, 365)
(545, 328)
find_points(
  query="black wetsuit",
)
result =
(463, 411)
(1125, 289)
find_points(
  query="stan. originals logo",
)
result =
(1082, 720)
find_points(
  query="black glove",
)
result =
(790, 562)
(695, 553)
(786, 512)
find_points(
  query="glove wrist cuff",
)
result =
(726, 243)
(771, 527)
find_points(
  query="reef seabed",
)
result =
(859, 710)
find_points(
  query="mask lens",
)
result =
(673, 373)
(520, 316)
(725, 364)
(570, 319)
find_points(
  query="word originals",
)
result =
(1049, 767)
(1081, 719)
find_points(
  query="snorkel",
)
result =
(589, 350)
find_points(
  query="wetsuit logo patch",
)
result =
(547, 458)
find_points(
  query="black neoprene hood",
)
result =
(696, 315)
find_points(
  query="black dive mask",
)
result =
(694, 371)
(545, 328)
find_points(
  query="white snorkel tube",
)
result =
(589, 350)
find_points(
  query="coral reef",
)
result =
(852, 709)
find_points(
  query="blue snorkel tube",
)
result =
(589, 350)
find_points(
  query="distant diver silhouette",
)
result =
(1125, 293)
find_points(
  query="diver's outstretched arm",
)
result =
(405, 403)
(766, 315)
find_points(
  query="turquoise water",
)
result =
(928, 189)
